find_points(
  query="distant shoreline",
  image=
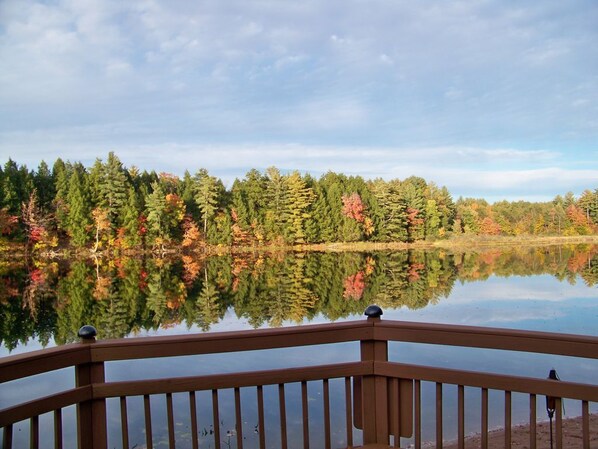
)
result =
(460, 243)
(455, 242)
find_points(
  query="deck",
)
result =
(381, 400)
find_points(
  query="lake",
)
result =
(551, 288)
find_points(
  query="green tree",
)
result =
(206, 196)
(274, 220)
(17, 184)
(43, 182)
(112, 188)
(60, 174)
(131, 224)
(79, 210)
(156, 212)
(297, 201)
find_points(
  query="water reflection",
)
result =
(51, 300)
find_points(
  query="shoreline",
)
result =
(460, 243)
(572, 436)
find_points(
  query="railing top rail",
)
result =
(488, 337)
(43, 360)
(23, 365)
(219, 342)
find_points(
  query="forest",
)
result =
(111, 208)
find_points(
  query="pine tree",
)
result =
(131, 221)
(187, 194)
(61, 174)
(155, 212)
(432, 224)
(17, 185)
(297, 200)
(274, 222)
(112, 188)
(44, 185)
(79, 210)
(206, 196)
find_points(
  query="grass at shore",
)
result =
(11, 250)
(459, 242)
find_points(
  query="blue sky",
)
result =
(492, 98)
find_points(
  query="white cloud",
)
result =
(372, 88)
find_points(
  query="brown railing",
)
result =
(382, 399)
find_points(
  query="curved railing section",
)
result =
(381, 400)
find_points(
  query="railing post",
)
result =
(374, 388)
(91, 415)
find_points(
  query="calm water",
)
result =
(545, 288)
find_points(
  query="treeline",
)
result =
(111, 207)
(122, 296)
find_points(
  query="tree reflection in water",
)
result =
(51, 300)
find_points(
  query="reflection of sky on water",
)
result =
(535, 303)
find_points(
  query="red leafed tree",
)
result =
(489, 227)
(354, 286)
(353, 207)
(8, 222)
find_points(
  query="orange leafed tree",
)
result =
(353, 207)
(489, 227)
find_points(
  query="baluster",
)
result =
(148, 421)
(34, 432)
(585, 418)
(559, 423)
(418, 411)
(532, 421)
(283, 416)
(124, 422)
(348, 410)
(507, 419)
(461, 412)
(327, 441)
(216, 416)
(170, 415)
(7, 437)
(397, 383)
(238, 418)
(260, 410)
(193, 413)
(304, 406)
(58, 429)
(484, 418)
(438, 415)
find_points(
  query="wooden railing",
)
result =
(382, 399)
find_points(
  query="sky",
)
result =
(495, 99)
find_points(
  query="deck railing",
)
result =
(382, 400)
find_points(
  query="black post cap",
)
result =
(373, 311)
(87, 332)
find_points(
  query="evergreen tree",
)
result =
(17, 184)
(96, 175)
(61, 174)
(79, 210)
(155, 212)
(274, 220)
(44, 185)
(297, 200)
(131, 223)
(206, 196)
(187, 194)
(112, 188)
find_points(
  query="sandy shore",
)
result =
(572, 436)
